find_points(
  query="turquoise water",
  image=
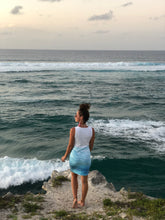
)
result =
(40, 91)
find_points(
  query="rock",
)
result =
(65, 173)
(8, 195)
(54, 174)
(44, 186)
(123, 215)
(96, 178)
(61, 198)
(138, 218)
(123, 192)
(111, 187)
(48, 186)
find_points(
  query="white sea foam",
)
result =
(98, 157)
(16, 171)
(48, 66)
(151, 132)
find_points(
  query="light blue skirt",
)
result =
(80, 160)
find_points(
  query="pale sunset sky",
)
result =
(82, 24)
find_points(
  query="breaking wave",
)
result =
(150, 132)
(16, 171)
(89, 66)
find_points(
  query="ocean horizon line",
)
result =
(81, 49)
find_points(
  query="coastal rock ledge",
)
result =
(99, 189)
(58, 197)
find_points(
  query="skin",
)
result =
(84, 179)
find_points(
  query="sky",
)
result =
(82, 24)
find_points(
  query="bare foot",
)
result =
(74, 206)
(81, 203)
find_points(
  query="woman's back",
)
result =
(82, 136)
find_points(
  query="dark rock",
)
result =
(96, 178)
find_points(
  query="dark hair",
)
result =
(84, 111)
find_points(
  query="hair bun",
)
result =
(85, 106)
(84, 111)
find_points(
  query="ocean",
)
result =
(40, 92)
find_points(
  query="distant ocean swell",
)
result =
(87, 66)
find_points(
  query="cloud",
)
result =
(126, 4)
(50, 0)
(16, 10)
(157, 18)
(101, 32)
(106, 16)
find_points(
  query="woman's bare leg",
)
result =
(74, 184)
(84, 180)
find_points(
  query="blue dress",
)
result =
(80, 160)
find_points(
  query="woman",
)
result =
(80, 145)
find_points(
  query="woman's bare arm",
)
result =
(70, 145)
(91, 143)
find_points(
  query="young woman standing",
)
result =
(80, 145)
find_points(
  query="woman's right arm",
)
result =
(70, 145)
(91, 143)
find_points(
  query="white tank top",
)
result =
(82, 136)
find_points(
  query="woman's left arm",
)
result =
(70, 145)
(91, 143)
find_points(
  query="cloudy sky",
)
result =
(82, 24)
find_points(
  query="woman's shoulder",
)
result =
(93, 130)
(72, 130)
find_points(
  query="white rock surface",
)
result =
(99, 189)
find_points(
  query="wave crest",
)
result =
(16, 171)
(150, 132)
(87, 66)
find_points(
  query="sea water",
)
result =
(40, 92)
